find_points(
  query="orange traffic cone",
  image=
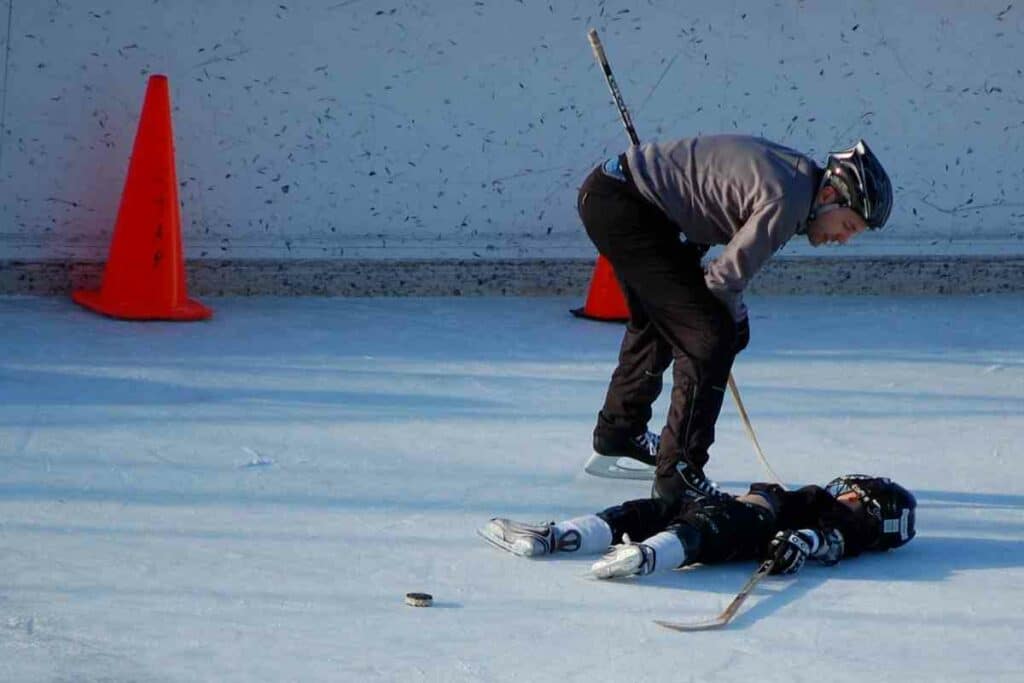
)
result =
(144, 278)
(604, 300)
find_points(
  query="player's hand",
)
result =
(791, 548)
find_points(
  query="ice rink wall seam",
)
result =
(882, 275)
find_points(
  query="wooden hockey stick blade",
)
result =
(729, 612)
(709, 625)
(611, 467)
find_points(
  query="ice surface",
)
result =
(249, 499)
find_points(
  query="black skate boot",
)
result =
(624, 457)
(694, 482)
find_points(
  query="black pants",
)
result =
(674, 320)
(712, 530)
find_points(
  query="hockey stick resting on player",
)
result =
(849, 515)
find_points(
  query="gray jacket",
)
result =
(747, 193)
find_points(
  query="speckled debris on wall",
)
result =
(427, 131)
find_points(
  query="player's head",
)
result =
(861, 183)
(887, 505)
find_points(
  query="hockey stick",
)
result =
(729, 612)
(750, 430)
(602, 60)
(627, 121)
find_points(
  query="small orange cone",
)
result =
(604, 300)
(144, 278)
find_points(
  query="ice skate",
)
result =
(627, 458)
(696, 484)
(624, 560)
(527, 540)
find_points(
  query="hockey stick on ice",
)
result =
(730, 611)
(627, 121)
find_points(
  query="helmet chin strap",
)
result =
(822, 209)
(819, 210)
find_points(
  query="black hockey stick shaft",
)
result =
(609, 77)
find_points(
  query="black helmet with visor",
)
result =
(863, 185)
(890, 507)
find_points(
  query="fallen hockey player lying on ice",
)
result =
(849, 515)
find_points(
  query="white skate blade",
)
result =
(610, 467)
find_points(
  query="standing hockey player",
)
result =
(851, 514)
(653, 212)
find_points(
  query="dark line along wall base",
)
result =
(559, 277)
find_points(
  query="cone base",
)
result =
(609, 318)
(127, 310)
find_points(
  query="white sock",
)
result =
(669, 551)
(595, 534)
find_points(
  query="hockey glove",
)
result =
(742, 335)
(832, 547)
(790, 549)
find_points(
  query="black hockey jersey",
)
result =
(811, 507)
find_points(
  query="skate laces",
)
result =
(649, 442)
(697, 481)
(710, 486)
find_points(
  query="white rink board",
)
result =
(426, 130)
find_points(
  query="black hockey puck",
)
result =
(419, 599)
